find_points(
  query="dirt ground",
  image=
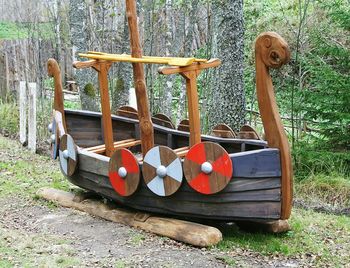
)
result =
(35, 233)
(59, 237)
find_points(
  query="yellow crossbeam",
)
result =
(173, 61)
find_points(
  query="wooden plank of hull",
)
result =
(264, 163)
(257, 163)
(251, 197)
(178, 205)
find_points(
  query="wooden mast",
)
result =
(146, 126)
(271, 51)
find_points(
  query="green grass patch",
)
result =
(22, 173)
(322, 238)
(311, 160)
(73, 105)
(9, 118)
(331, 189)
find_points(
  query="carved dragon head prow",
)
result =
(52, 68)
(272, 50)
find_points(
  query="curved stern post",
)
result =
(271, 51)
(54, 71)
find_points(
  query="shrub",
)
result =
(9, 118)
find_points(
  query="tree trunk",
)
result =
(228, 98)
(86, 79)
(120, 92)
(166, 104)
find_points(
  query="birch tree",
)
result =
(228, 98)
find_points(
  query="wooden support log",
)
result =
(184, 231)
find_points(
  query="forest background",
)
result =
(313, 90)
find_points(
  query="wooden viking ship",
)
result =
(144, 163)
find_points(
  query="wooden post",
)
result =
(32, 117)
(190, 73)
(193, 108)
(146, 126)
(102, 68)
(23, 112)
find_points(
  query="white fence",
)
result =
(27, 114)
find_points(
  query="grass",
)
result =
(9, 118)
(331, 189)
(137, 238)
(20, 249)
(27, 176)
(316, 238)
(321, 238)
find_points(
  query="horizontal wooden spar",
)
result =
(196, 66)
(117, 145)
(103, 146)
(181, 152)
(84, 64)
(174, 61)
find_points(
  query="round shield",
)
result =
(54, 138)
(124, 172)
(68, 155)
(162, 171)
(208, 168)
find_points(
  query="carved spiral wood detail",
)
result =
(271, 51)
